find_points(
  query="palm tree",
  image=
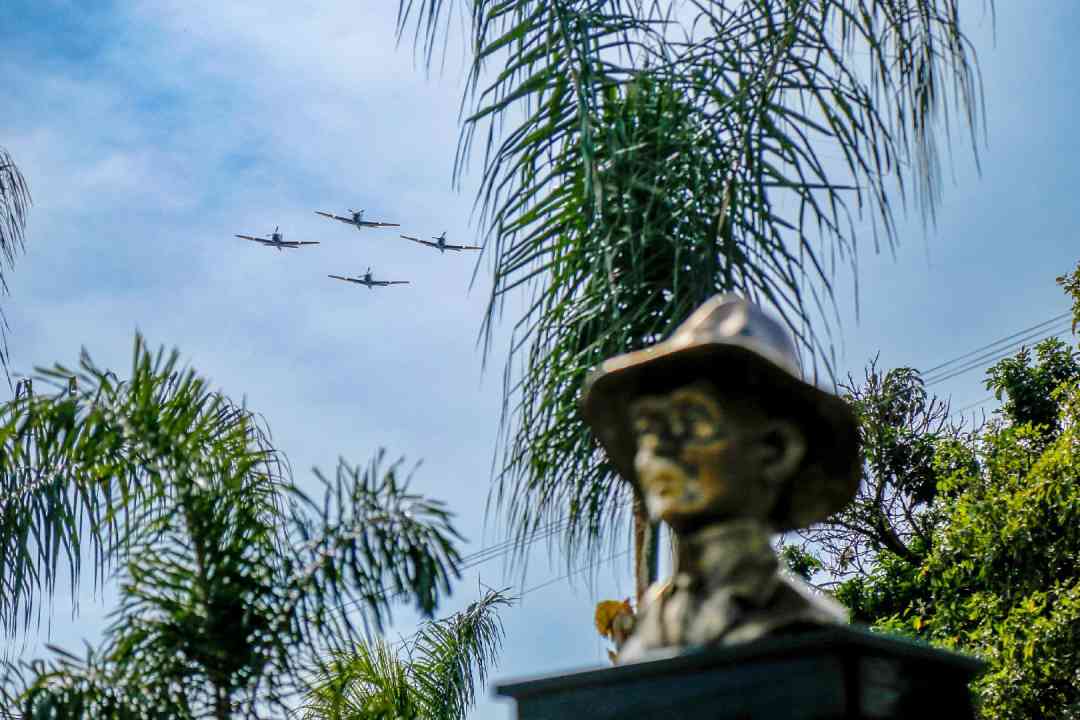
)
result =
(433, 675)
(639, 157)
(233, 583)
(14, 206)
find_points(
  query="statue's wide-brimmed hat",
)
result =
(734, 344)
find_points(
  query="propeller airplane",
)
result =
(368, 281)
(356, 219)
(277, 240)
(440, 243)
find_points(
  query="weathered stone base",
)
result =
(832, 673)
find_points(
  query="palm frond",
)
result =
(369, 543)
(371, 681)
(433, 675)
(71, 687)
(233, 583)
(640, 158)
(450, 659)
(95, 465)
(15, 202)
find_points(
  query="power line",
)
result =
(998, 353)
(966, 355)
(972, 406)
(470, 561)
(588, 566)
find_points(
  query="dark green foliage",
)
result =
(998, 572)
(1003, 579)
(232, 582)
(1071, 285)
(1027, 381)
(637, 160)
(800, 561)
(434, 676)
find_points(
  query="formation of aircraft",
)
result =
(356, 219)
(440, 243)
(369, 281)
(277, 240)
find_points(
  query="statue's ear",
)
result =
(781, 447)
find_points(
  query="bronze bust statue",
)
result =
(726, 443)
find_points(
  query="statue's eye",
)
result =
(645, 426)
(700, 423)
(703, 429)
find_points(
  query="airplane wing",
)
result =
(253, 239)
(418, 240)
(396, 282)
(306, 242)
(464, 247)
(334, 217)
(338, 277)
(372, 223)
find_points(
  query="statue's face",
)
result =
(702, 457)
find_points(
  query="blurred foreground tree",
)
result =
(640, 157)
(433, 676)
(233, 584)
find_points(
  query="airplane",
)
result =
(277, 240)
(440, 243)
(356, 220)
(368, 281)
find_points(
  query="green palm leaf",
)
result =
(638, 158)
(434, 675)
(15, 204)
(95, 465)
(233, 583)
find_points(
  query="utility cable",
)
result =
(966, 355)
(991, 356)
(478, 558)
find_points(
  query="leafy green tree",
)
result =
(1027, 383)
(433, 675)
(233, 583)
(1003, 579)
(639, 157)
(997, 573)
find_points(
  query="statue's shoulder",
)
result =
(656, 594)
(648, 634)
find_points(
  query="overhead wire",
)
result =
(478, 558)
(972, 406)
(998, 353)
(992, 352)
(1056, 318)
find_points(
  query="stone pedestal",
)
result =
(833, 673)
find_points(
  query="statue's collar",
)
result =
(736, 554)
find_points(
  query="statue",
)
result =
(723, 441)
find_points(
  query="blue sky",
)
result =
(150, 132)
